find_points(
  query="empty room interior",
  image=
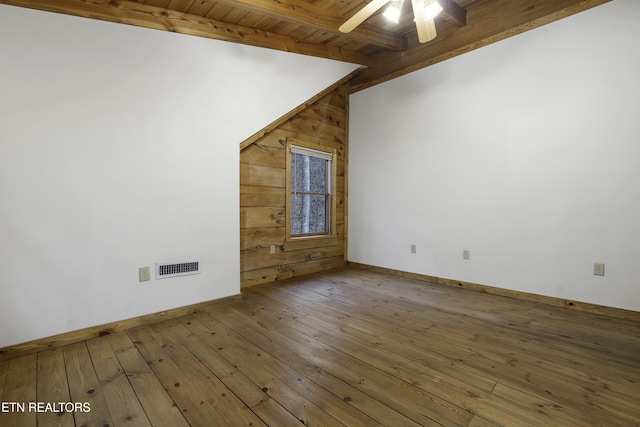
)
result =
(327, 213)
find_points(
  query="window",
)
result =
(310, 192)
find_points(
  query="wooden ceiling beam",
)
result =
(457, 14)
(308, 15)
(488, 21)
(142, 15)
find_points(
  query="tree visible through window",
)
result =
(310, 192)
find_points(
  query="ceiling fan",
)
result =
(424, 11)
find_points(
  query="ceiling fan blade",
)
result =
(361, 15)
(426, 30)
(426, 27)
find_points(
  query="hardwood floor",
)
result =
(346, 347)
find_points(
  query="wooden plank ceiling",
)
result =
(310, 27)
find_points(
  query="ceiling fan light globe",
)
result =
(392, 12)
(431, 9)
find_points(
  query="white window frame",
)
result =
(325, 153)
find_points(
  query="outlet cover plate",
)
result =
(144, 274)
(598, 269)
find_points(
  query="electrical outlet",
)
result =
(413, 249)
(598, 269)
(465, 254)
(144, 274)
(272, 249)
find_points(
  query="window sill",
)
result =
(308, 242)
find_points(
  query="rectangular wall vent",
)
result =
(164, 270)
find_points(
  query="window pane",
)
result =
(308, 174)
(309, 214)
(318, 172)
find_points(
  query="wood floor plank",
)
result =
(121, 399)
(546, 407)
(604, 326)
(616, 392)
(421, 405)
(349, 347)
(156, 402)
(469, 397)
(611, 387)
(20, 389)
(84, 387)
(562, 370)
(360, 332)
(501, 310)
(620, 420)
(498, 311)
(53, 387)
(267, 409)
(495, 340)
(185, 394)
(248, 358)
(295, 378)
(208, 384)
(376, 409)
(350, 395)
(4, 367)
(478, 421)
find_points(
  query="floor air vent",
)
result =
(164, 270)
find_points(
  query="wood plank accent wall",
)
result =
(322, 121)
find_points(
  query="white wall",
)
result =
(525, 152)
(119, 149)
